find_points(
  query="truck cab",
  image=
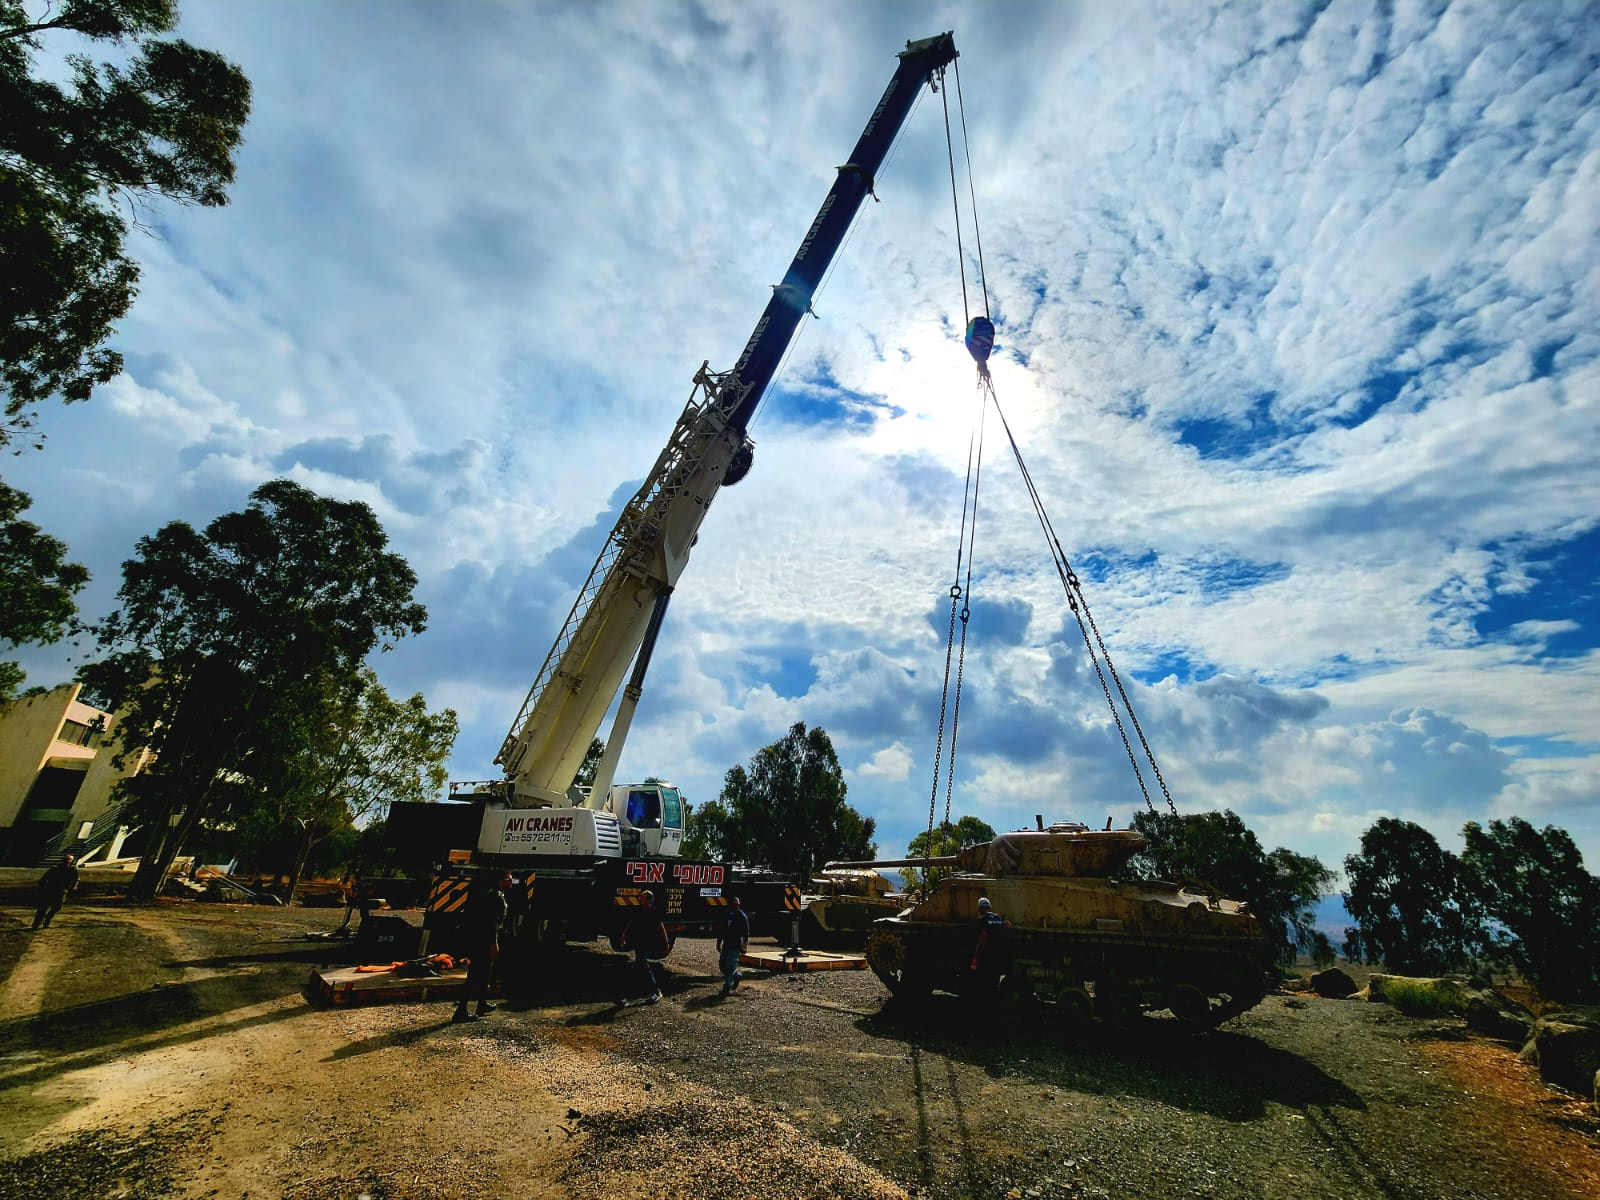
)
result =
(651, 816)
(636, 820)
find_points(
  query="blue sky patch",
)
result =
(1380, 391)
(790, 671)
(1231, 437)
(1565, 587)
(1173, 662)
(820, 399)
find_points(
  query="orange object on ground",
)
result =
(443, 961)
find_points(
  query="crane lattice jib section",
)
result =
(630, 550)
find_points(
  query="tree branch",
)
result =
(29, 30)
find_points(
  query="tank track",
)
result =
(1130, 973)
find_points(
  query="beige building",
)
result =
(56, 778)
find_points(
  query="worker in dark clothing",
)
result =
(731, 942)
(355, 897)
(55, 885)
(482, 921)
(989, 953)
(646, 936)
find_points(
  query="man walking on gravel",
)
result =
(735, 936)
(485, 915)
(646, 936)
(55, 885)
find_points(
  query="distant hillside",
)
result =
(1332, 918)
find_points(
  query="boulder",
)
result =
(1491, 1014)
(1576, 1016)
(1333, 983)
(1567, 1055)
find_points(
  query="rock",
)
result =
(1488, 1012)
(1568, 1016)
(1567, 1055)
(1333, 983)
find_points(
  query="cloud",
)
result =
(892, 764)
(1297, 315)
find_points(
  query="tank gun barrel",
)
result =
(938, 860)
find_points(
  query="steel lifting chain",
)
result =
(1093, 642)
(944, 694)
(1116, 677)
(975, 474)
(1079, 604)
(955, 717)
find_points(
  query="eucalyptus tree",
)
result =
(225, 638)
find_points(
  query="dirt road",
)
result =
(168, 1051)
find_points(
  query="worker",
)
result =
(55, 885)
(482, 920)
(646, 936)
(731, 943)
(989, 953)
(355, 897)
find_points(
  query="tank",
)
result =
(1080, 938)
(842, 903)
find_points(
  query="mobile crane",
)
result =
(594, 848)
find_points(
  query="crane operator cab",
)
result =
(651, 816)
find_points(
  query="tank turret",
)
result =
(1063, 927)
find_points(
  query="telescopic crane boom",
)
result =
(618, 611)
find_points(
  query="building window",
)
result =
(76, 733)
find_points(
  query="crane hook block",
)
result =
(980, 338)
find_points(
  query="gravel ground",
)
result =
(141, 1165)
(166, 1050)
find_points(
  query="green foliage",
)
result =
(356, 751)
(946, 838)
(590, 764)
(1545, 907)
(75, 157)
(1321, 950)
(37, 586)
(1416, 998)
(787, 811)
(1219, 853)
(1412, 908)
(225, 641)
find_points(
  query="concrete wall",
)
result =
(28, 731)
(94, 797)
(32, 739)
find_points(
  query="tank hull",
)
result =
(843, 919)
(1094, 948)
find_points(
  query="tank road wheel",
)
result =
(1190, 1005)
(1115, 1002)
(1077, 1008)
(1245, 984)
(888, 955)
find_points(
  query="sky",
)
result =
(1298, 314)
